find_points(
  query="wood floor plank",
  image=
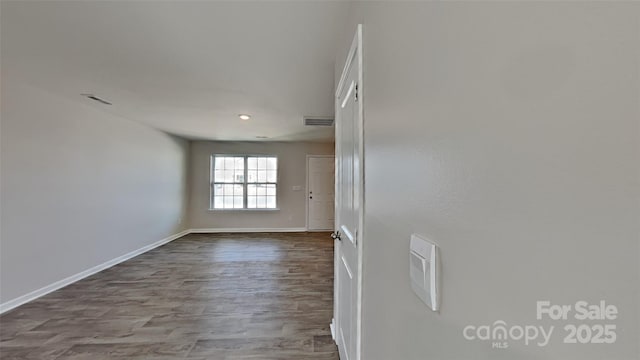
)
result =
(204, 296)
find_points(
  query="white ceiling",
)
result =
(188, 68)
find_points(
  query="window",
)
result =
(244, 182)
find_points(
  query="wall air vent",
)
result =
(318, 121)
(95, 98)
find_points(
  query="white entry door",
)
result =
(349, 175)
(321, 191)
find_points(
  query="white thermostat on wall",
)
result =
(423, 270)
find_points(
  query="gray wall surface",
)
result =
(80, 187)
(508, 133)
(292, 170)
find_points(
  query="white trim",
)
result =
(332, 327)
(309, 156)
(352, 52)
(355, 54)
(245, 230)
(244, 184)
(245, 209)
(360, 231)
(11, 304)
(346, 96)
(361, 198)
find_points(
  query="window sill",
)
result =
(276, 209)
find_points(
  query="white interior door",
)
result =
(348, 205)
(321, 192)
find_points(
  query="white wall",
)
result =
(507, 133)
(80, 187)
(292, 158)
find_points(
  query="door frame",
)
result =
(355, 54)
(309, 156)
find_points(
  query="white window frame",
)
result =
(244, 184)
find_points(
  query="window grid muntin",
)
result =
(264, 181)
(227, 188)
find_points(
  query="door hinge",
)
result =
(356, 92)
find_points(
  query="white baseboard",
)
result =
(11, 304)
(245, 230)
(332, 327)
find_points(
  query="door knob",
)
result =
(336, 235)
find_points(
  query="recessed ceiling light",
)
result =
(244, 117)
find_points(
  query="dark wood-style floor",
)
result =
(222, 296)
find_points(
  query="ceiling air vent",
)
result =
(95, 98)
(318, 121)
